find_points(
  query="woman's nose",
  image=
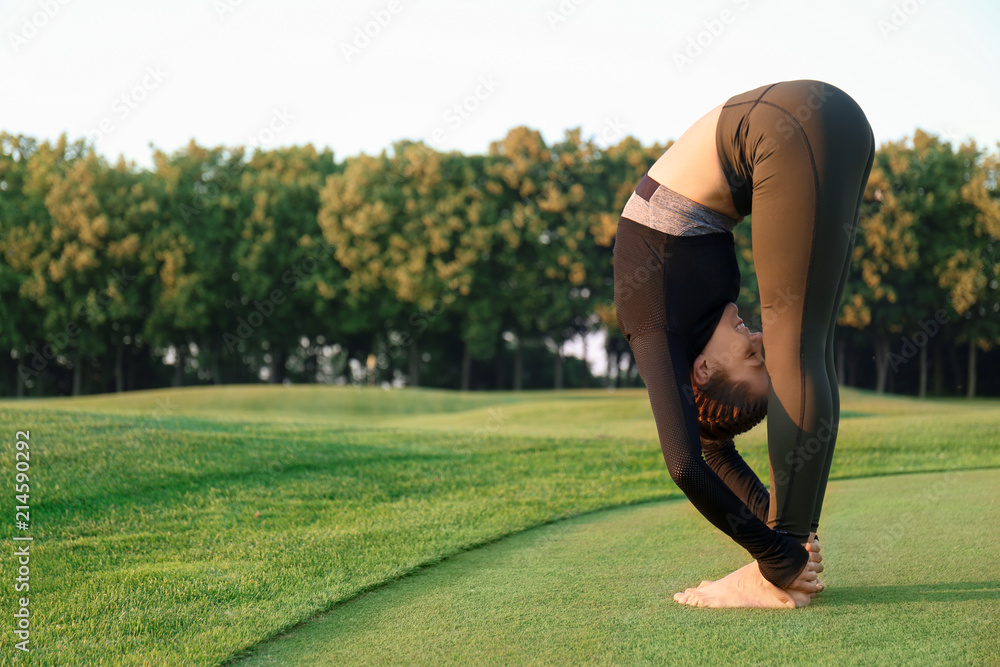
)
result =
(757, 340)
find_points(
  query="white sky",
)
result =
(237, 71)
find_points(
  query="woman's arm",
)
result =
(722, 457)
(664, 366)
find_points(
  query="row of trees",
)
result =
(439, 269)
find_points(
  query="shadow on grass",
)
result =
(955, 592)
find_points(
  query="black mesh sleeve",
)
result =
(663, 363)
(666, 285)
(722, 457)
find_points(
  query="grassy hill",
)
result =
(181, 526)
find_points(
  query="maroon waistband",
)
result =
(646, 187)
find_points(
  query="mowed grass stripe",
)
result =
(150, 548)
(912, 579)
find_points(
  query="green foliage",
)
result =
(417, 263)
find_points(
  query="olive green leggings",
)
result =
(812, 154)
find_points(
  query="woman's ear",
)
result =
(700, 371)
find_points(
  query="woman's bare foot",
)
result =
(746, 587)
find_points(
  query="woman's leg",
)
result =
(831, 367)
(808, 181)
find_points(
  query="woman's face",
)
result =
(737, 352)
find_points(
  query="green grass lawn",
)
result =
(182, 527)
(912, 579)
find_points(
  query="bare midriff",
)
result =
(691, 167)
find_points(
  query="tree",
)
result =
(885, 252)
(972, 273)
(204, 210)
(278, 254)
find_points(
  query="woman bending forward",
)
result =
(797, 154)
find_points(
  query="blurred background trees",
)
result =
(420, 267)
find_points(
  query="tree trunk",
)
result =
(278, 358)
(215, 351)
(923, 372)
(135, 358)
(501, 367)
(612, 364)
(852, 369)
(77, 371)
(20, 384)
(970, 390)
(466, 366)
(956, 369)
(881, 364)
(310, 365)
(559, 368)
(9, 371)
(518, 365)
(841, 375)
(627, 373)
(371, 368)
(119, 373)
(179, 365)
(938, 371)
(413, 372)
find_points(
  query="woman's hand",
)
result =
(808, 579)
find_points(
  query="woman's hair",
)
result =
(726, 409)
